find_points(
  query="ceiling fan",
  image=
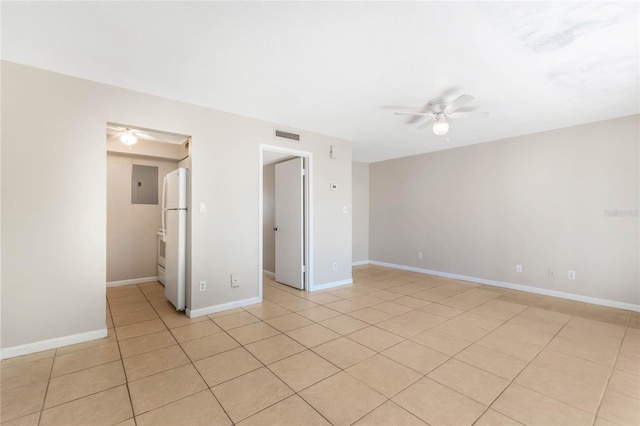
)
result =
(127, 135)
(439, 109)
(130, 135)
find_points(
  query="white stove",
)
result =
(161, 259)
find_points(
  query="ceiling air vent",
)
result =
(287, 135)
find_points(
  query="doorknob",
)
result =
(275, 228)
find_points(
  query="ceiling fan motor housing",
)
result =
(438, 105)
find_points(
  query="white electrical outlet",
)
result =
(419, 255)
(518, 268)
(572, 275)
(235, 282)
(203, 285)
(335, 266)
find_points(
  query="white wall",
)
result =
(131, 228)
(54, 215)
(360, 188)
(538, 200)
(53, 207)
(269, 218)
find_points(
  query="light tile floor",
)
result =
(395, 348)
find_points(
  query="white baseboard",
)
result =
(131, 281)
(193, 313)
(331, 285)
(529, 289)
(269, 274)
(361, 262)
(45, 345)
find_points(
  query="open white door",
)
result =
(289, 219)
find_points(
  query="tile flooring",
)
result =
(396, 348)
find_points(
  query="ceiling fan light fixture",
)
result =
(128, 138)
(441, 126)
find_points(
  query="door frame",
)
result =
(307, 158)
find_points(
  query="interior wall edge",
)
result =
(194, 313)
(269, 274)
(512, 286)
(333, 284)
(57, 342)
(131, 281)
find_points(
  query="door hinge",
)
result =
(304, 172)
(304, 268)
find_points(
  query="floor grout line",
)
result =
(611, 371)
(552, 305)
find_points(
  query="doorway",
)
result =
(138, 159)
(285, 219)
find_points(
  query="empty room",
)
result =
(320, 213)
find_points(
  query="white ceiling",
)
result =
(342, 68)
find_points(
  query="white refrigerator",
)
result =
(174, 234)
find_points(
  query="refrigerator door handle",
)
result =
(164, 210)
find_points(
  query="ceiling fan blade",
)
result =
(413, 113)
(416, 116)
(115, 137)
(143, 135)
(112, 133)
(426, 123)
(466, 114)
(116, 129)
(457, 103)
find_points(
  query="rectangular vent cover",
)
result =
(287, 135)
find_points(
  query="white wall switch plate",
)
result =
(203, 207)
(518, 268)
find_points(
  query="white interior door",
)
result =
(289, 212)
